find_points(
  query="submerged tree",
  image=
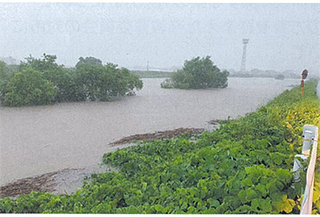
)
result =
(89, 61)
(28, 87)
(4, 79)
(198, 73)
(106, 82)
(62, 78)
(48, 62)
(43, 81)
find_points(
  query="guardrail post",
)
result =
(310, 137)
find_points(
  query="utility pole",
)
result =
(244, 54)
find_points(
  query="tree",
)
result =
(89, 61)
(89, 79)
(198, 73)
(29, 88)
(43, 81)
(63, 79)
(4, 79)
(48, 62)
(106, 82)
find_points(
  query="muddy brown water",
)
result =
(42, 139)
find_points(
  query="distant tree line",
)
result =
(43, 81)
(197, 73)
(151, 74)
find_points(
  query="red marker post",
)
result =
(303, 76)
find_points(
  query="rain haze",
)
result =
(282, 36)
(58, 120)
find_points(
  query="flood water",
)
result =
(37, 140)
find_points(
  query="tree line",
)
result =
(43, 81)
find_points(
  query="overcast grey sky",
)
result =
(282, 36)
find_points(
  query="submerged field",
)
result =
(243, 167)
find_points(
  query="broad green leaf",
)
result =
(262, 189)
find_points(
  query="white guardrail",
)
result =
(310, 137)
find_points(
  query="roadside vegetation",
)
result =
(198, 73)
(43, 81)
(244, 167)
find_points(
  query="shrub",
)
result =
(198, 74)
(5, 76)
(89, 80)
(29, 88)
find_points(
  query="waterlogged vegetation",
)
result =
(197, 73)
(245, 167)
(43, 81)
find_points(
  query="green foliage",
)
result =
(105, 82)
(89, 81)
(245, 167)
(47, 63)
(29, 88)
(198, 74)
(5, 76)
(64, 80)
(88, 61)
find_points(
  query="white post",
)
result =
(310, 137)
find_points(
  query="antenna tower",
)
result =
(244, 54)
